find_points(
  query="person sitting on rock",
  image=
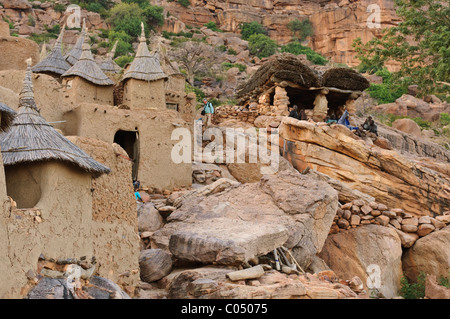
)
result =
(369, 125)
(344, 121)
(331, 118)
(294, 113)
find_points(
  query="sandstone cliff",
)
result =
(336, 23)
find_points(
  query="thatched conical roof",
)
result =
(109, 65)
(7, 116)
(54, 62)
(75, 53)
(31, 139)
(145, 66)
(87, 69)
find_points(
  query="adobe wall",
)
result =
(77, 90)
(114, 218)
(155, 127)
(6, 277)
(58, 227)
(15, 51)
(47, 93)
(139, 94)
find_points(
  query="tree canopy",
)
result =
(420, 44)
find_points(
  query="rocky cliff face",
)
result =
(336, 23)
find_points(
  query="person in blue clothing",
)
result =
(344, 121)
(208, 108)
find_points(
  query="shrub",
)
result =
(444, 119)
(388, 91)
(301, 29)
(124, 45)
(126, 17)
(249, 29)
(212, 26)
(123, 60)
(261, 45)
(184, 3)
(296, 48)
(59, 7)
(413, 290)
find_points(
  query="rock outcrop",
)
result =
(373, 253)
(388, 176)
(284, 209)
(430, 254)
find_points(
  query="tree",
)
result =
(301, 29)
(127, 17)
(420, 44)
(195, 57)
(261, 45)
(248, 29)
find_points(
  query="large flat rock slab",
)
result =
(226, 241)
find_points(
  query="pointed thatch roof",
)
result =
(7, 116)
(109, 66)
(75, 53)
(145, 65)
(31, 139)
(87, 69)
(54, 62)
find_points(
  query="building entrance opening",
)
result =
(129, 141)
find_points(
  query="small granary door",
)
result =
(129, 141)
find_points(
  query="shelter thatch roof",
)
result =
(109, 65)
(7, 116)
(31, 139)
(282, 67)
(87, 69)
(291, 68)
(345, 79)
(145, 66)
(54, 62)
(75, 53)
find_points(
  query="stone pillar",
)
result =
(264, 103)
(320, 106)
(351, 107)
(280, 100)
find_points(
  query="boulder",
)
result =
(430, 254)
(370, 250)
(154, 264)
(240, 222)
(407, 126)
(407, 239)
(16, 4)
(149, 218)
(435, 291)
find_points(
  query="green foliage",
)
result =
(126, 17)
(94, 7)
(31, 20)
(301, 29)
(198, 92)
(251, 28)
(424, 124)
(212, 26)
(296, 48)
(123, 60)
(228, 65)
(59, 7)
(232, 51)
(261, 45)
(420, 44)
(444, 281)
(389, 90)
(444, 119)
(154, 15)
(184, 3)
(124, 45)
(413, 290)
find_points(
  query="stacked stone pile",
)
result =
(409, 228)
(242, 114)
